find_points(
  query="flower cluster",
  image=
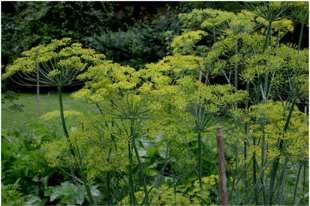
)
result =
(58, 63)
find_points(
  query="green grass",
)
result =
(12, 119)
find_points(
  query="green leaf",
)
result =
(152, 151)
(141, 151)
(70, 194)
(158, 139)
(44, 180)
(67, 199)
(150, 172)
(26, 170)
(48, 192)
(56, 194)
(34, 200)
(169, 180)
(147, 144)
(191, 179)
(95, 193)
(79, 199)
(35, 178)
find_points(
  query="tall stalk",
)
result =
(214, 38)
(236, 70)
(263, 168)
(268, 36)
(304, 178)
(63, 122)
(296, 185)
(300, 37)
(258, 88)
(62, 112)
(266, 43)
(246, 124)
(90, 198)
(223, 181)
(254, 174)
(131, 191)
(199, 165)
(283, 182)
(265, 97)
(108, 177)
(140, 163)
(277, 159)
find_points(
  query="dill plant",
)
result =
(114, 95)
(246, 48)
(56, 64)
(168, 99)
(162, 90)
(201, 102)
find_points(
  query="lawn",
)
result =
(11, 119)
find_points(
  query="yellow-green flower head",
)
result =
(56, 115)
(216, 17)
(176, 65)
(186, 42)
(57, 62)
(283, 24)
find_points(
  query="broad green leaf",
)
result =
(147, 144)
(141, 151)
(158, 139)
(79, 199)
(162, 151)
(152, 151)
(150, 172)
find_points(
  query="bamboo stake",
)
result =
(220, 149)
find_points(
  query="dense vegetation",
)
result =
(153, 95)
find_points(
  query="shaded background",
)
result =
(129, 33)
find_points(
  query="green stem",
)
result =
(140, 164)
(304, 178)
(289, 116)
(277, 159)
(300, 37)
(296, 185)
(278, 41)
(214, 34)
(199, 165)
(265, 89)
(90, 198)
(84, 179)
(158, 180)
(268, 36)
(284, 181)
(108, 177)
(62, 112)
(254, 174)
(258, 89)
(241, 177)
(117, 185)
(131, 196)
(236, 70)
(246, 124)
(63, 122)
(263, 163)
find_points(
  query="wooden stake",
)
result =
(220, 149)
(38, 91)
